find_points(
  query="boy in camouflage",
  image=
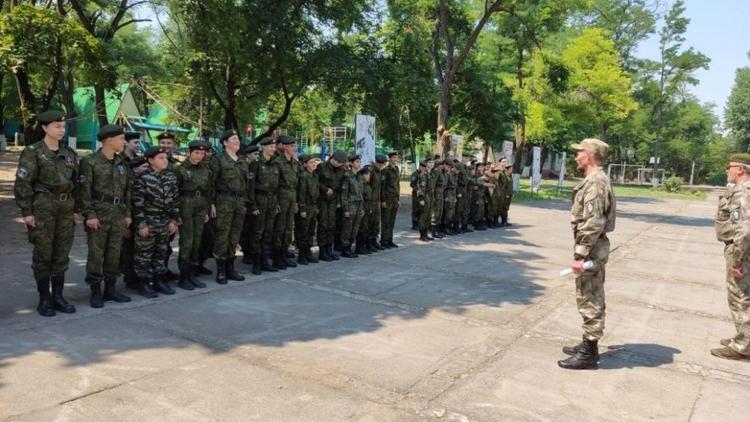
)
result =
(308, 192)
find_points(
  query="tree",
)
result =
(737, 113)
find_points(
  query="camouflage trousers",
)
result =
(193, 212)
(438, 203)
(230, 216)
(246, 237)
(388, 216)
(424, 213)
(414, 207)
(449, 208)
(151, 252)
(350, 225)
(283, 226)
(304, 227)
(127, 255)
(206, 249)
(263, 230)
(326, 221)
(52, 235)
(372, 221)
(104, 247)
(590, 292)
(462, 209)
(477, 209)
(738, 296)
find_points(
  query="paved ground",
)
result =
(465, 329)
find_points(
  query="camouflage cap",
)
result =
(743, 158)
(354, 157)
(110, 131)
(392, 153)
(365, 170)
(249, 149)
(50, 116)
(286, 140)
(592, 145)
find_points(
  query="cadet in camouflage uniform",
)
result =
(263, 204)
(449, 195)
(136, 165)
(168, 142)
(231, 176)
(592, 217)
(733, 229)
(250, 152)
(352, 188)
(308, 193)
(391, 176)
(423, 195)
(105, 205)
(370, 203)
(283, 227)
(414, 209)
(329, 175)
(482, 185)
(462, 199)
(156, 216)
(497, 197)
(376, 183)
(206, 250)
(439, 179)
(508, 174)
(195, 185)
(46, 192)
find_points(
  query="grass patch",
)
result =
(549, 190)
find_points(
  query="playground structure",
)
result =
(636, 174)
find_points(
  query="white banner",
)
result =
(72, 142)
(536, 169)
(365, 138)
(562, 171)
(457, 145)
(508, 151)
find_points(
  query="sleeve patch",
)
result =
(22, 173)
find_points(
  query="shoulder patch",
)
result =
(120, 168)
(81, 179)
(250, 175)
(22, 173)
(735, 215)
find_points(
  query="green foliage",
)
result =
(737, 115)
(673, 184)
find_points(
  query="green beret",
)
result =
(286, 140)
(129, 136)
(227, 134)
(340, 156)
(743, 158)
(199, 144)
(50, 116)
(153, 151)
(166, 135)
(354, 157)
(380, 158)
(265, 141)
(110, 131)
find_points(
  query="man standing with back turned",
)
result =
(592, 217)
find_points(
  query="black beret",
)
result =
(153, 151)
(380, 158)
(365, 170)
(286, 140)
(740, 158)
(340, 156)
(448, 163)
(129, 136)
(354, 157)
(265, 141)
(249, 149)
(303, 158)
(227, 134)
(423, 163)
(199, 144)
(392, 153)
(166, 135)
(110, 131)
(50, 116)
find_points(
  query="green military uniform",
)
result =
(439, 180)
(369, 204)
(283, 227)
(374, 220)
(352, 189)
(105, 195)
(46, 188)
(462, 198)
(414, 209)
(329, 178)
(230, 196)
(449, 205)
(308, 193)
(508, 192)
(195, 184)
(480, 202)
(391, 177)
(127, 250)
(263, 199)
(206, 249)
(155, 205)
(423, 202)
(250, 153)
(497, 199)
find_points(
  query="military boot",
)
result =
(58, 301)
(505, 222)
(161, 285)
(202, 270)
(221, 271)
(423, 236)
(96, 300)
(573, 350)
(310, 257)
(185, 283)
(302, 260)
(323, 253)
(332, 253)
(145, 290)
(256, 264)
(376, 245)
(466, 228)
(288, 260)
(361, 248)
(266, 264)
(111, 294)
(587, 356)
(194, 278)
(278, 259)
(347, 252)
(231, 273)
(44, 307)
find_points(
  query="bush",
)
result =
(673, 184)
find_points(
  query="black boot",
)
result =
(361, 248)
(247, 258)
(347, 252)
(266, 264)
(145, 290)
(185, 283)
(573, 350)
(202, 270)
(278, 259)
(289, 254)
(161, 284)
(310, 257)
(302, 260)
(332, 253)
(58, 301)
(466, 229)
(96, 300)
(44, 307)
(587, 356)
(436, 233)
(111, 294)
(169, 275)
(194, 278)
(288, 260)
(231, 273)
(505, 222)
(423, 236)
(375, 244)
(221, 271)
(323, 253)
(256, 264)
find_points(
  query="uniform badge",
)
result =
(21, 173)
(121, 168)
(69, 160)
(735, 215)
(250, 175)
(81, 179)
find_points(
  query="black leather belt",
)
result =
(233, 195)
(58, 196)
(116, 200)
(195, 194)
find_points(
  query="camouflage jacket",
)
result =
(732, 222)
(155, 199)
(329, 178)
(351, 191)
(105, 185)
(308, 192)
(42, 170)
(263, 180)
(391, 182)
(593, 211)
(376, 183)
(192, 178)
(288, 173)
(423, 185)
(229, 176)
(438, 181)
(450, 187)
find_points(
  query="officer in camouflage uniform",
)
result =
(439, 179)
(592, 217)
(195, 185)
(206, 249)
(391, 176)
(156, 216)
(329, 175)
(263, 204)
(136, 164)
(250, 152)
(483, 185)
(449, 205)
(105, 198)
(733, 229)
(508, 174)
(423, 202)
(287, 196)
(231, 176)
(46, 192)
(497, 197)
(352, 188)
(376, 183)
(308, 193)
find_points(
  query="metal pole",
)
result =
(692, 172)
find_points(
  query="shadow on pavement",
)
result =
(635, 355)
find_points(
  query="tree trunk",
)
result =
(442, 143)
(2, 103)
(101, 107)
(28, 103)
(68, 87)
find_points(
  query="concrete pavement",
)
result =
(468, 328)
